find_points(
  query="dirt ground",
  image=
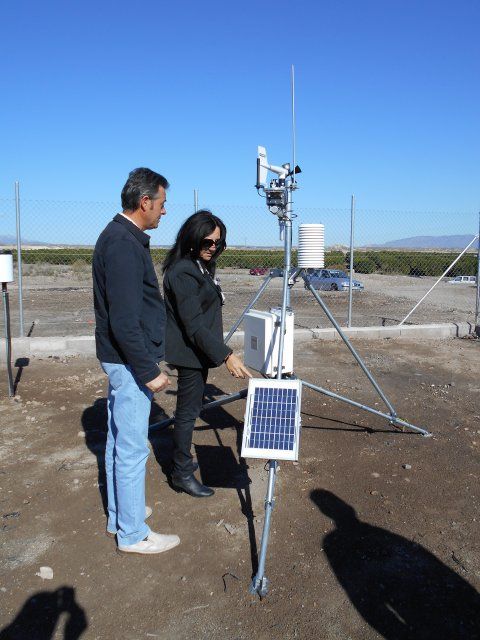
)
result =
(374, 531)
(63, 305)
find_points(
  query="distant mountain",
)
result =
(8, 240)
(12, 240)
(432, 242)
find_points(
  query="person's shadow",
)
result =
(39, 616)
(401, 589)
(219, 467)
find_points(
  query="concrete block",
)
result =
(48, 346)
(85, 345)
(303, 335)
(20, 349)
(464, 329)
(389, 332)
(325, 334)
(425, 331)
(81, 345)
(368, 333)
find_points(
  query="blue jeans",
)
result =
(126, 453)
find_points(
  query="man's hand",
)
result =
(236, 367)
(159, 383)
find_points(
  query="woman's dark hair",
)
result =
(190, 235)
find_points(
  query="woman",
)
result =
(194, 334)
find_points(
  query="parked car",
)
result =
(259, 271)
(332, 280)
(463, 280)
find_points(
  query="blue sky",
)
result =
(387, 96)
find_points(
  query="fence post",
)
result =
(19, 258)
(350, 291)
(477, 306)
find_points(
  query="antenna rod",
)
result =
(293, 122)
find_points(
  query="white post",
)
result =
(477, 306)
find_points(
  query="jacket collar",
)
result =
(208, 276)
(142, 237)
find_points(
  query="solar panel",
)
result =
(272, 419)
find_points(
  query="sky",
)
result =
(387, 108)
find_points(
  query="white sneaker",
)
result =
(154, 543)
(148, 513)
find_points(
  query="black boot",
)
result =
(192, 486)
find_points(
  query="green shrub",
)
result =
(364, 265)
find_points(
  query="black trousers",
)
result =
(191, 387)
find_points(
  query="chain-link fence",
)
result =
(398, 256)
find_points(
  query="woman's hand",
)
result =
(236, 367)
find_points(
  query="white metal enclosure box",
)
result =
(262, 337)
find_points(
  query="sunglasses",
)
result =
(208, 242)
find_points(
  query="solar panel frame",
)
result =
(272, 419)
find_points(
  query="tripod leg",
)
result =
(208, 405)
(260, 582)
(395, 421)
(248, 307)
(350, 347)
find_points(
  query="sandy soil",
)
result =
(63, 305)
(374, 531)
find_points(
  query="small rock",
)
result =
(184, 578)
(230, 528)
(81, 434)
(407, 466)
(62, 408)
(45, 573)
(374, 493)
(375, 475)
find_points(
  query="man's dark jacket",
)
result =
(129, 310)
(194, 336)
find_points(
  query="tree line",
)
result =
(412, 263)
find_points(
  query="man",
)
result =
(129, 334)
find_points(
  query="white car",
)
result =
(463, 280)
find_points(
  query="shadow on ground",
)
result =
(40, 616)
(402, 590)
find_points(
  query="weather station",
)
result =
(272, 424)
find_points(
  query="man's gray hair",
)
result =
(141, 182)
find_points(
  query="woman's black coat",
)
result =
(194, 330)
